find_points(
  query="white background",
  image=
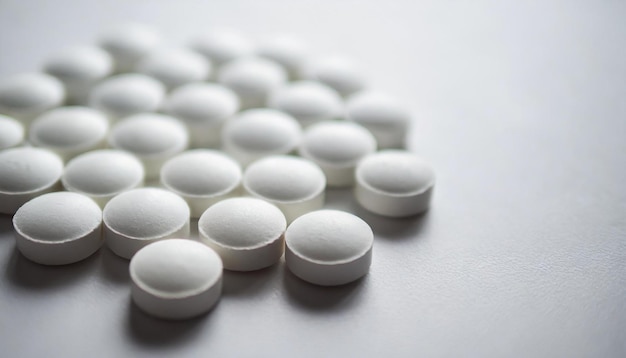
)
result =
(520, 106)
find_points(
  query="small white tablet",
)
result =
(247, 233)
(25, 96)
(176, 279)
(58, 228)
(329, 247)
(25, 173)
(128, 43)
(138, 217)
(307, 101)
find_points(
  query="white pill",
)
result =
(308, 102)
(138, 217)
(175, 67)
(337, 147)
(124, 95)
(70, 131)
(102, 174)
(202, 177)
(287, 50)
(329, 247)
(80, 68)
(394, 183)
(253, 79)
(176, 279)
(337, 72)
(382, 115)
(25, 173)
(247, 233)
(222, 45)
(153, 138)
(26, 96)
(128, 43)
(258, 133)
(293, 184)
(58, 228)
(11, 132)
(204, 108)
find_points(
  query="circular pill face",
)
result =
(202, 103)
(201, 172)
(308, 102)
(287, 50)
(222, 45)
(337, 143)
(69, 130)
(149, 134)
(103, 173)
(81, 63)
(246, 232)
(58, 228)
(30, 94)
(329, 237)
(175, 66)
(242, 223)
(336, 72)
(127, 43)
(175, 268)
(382, 115)
(284, 179)
(252, 79)
(395, 172)
(11, 132)
(28, 169)
(260, 132)
(127, 94)
(146, 213)
(57, 217)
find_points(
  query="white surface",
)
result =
(520, 105)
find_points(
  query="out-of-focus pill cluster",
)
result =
(126, 140)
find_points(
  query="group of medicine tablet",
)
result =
(286, 127)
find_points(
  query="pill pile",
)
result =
(123, 142)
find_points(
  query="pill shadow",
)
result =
(316, 298)
(23, 273)
(114, 268)
(394, 229)
(247, 284)
(146, 330)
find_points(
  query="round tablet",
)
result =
(69, 131)
(253, 79)
(382, 115)
(153, 138)
(175, 67)
(308, 102)
(102, 174)
(337, 147)
(125, 95)
(247, 233)
(58, 228)
(222, 45)
(203, 107)
(329, 247)
(258, 133)
(80, 68)
(25, 173)
(138, 217)
(128, 43)
(394, 183)
(287, 50)
(26, 96)
(11, 132)
(176, 279)
(202, 177)
(337, 72)
(293, 184)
